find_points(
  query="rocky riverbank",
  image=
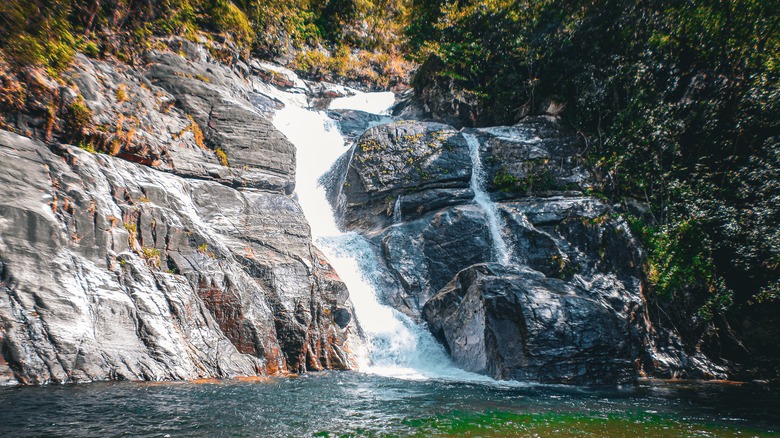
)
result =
(182, 252)
(184, 255)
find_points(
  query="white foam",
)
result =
(397, 346)
(375, 103)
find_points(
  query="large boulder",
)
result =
(519, 324)
(426, 163)
(559, 237)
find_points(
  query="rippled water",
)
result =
(350, 403)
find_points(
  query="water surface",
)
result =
(357, 404)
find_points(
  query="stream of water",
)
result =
(502, 253)
(395, 345)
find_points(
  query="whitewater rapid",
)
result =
(395, 345)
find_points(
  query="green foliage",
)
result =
(362, 38)
(681, 266)
(679, 103)
(221, 156)
(537, 179)
(37, 33)
(281, 24)
(76, 121)
(132, 233)
(224, 16)
(150, 252)
(151, 255)
(121, 94)
(507, 183)
(90, 49)
(176, 18)
(769, 293)
(89, 147)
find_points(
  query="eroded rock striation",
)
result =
(184, 256)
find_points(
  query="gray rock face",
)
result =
(114, 270)
(353, 123)
(185, 114)
(534, 157)
(518, 324)
(569, 307)
(218, 100)
(426, 162)
(424, 254)
(184, 256)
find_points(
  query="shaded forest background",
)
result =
(677, 103)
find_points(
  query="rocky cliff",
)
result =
(566, 306)
(183, 255)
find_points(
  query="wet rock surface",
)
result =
(569, 307)
(353, 123)
(426, 163)
(165, 261)
(519, 324)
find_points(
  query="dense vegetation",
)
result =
(326, 39)
(678, 104)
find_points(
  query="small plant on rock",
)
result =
(151, 255)
(121, 94)
(132, 233)
(222, 157)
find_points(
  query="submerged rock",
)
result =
(518, 324)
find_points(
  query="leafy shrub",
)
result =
(32, 33)
(224, 16)
(151, 255)
(132, 233)
(91, 49)
(76, 121)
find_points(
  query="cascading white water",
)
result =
(397, 346)
(397, 215)
(501, 250)
(375, 103)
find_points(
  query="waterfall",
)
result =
(397, 215)
(396, 345)
(495, 224)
